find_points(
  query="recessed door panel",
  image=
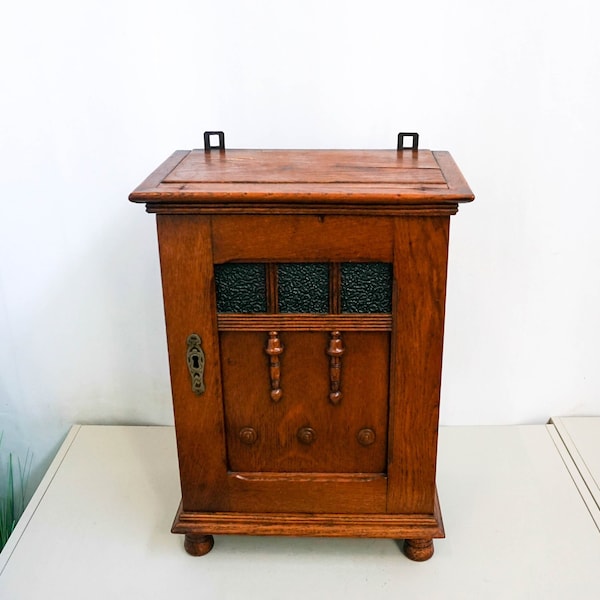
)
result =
(330, 412)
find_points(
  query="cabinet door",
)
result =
(291, 414)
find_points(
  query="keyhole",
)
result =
(195, 363)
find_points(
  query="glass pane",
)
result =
(366, 287)
(303, 288)
(241, 288)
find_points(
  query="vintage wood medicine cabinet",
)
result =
(304, 299)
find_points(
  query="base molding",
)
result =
(421, 528)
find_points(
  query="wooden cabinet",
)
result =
(304, 300)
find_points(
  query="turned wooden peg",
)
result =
(248, 435)
(306, 435)
(335, 351)
(366, 437)
(274, 349)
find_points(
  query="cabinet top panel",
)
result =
(222, 180)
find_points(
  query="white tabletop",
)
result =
(99, 527)
(580, 448)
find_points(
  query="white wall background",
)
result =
(95, 94)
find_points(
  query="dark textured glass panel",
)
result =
(241, 288)
(366, 287)
(303, 287)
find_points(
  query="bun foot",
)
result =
(419, 550)
(198, 545)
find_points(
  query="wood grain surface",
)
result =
(309, 424)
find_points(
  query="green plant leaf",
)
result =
(12, 498)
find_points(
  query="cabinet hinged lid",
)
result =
(230, 180)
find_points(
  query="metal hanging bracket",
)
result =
(207, 137)
(415, 141)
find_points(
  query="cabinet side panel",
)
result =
(420, 263)
(190, 308)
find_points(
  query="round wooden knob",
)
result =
(366, 437)
(306, 435)
(248, 435)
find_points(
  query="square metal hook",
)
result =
(415, 141)
(208, 135)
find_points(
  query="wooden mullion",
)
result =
(272, 288)
(335, 288)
